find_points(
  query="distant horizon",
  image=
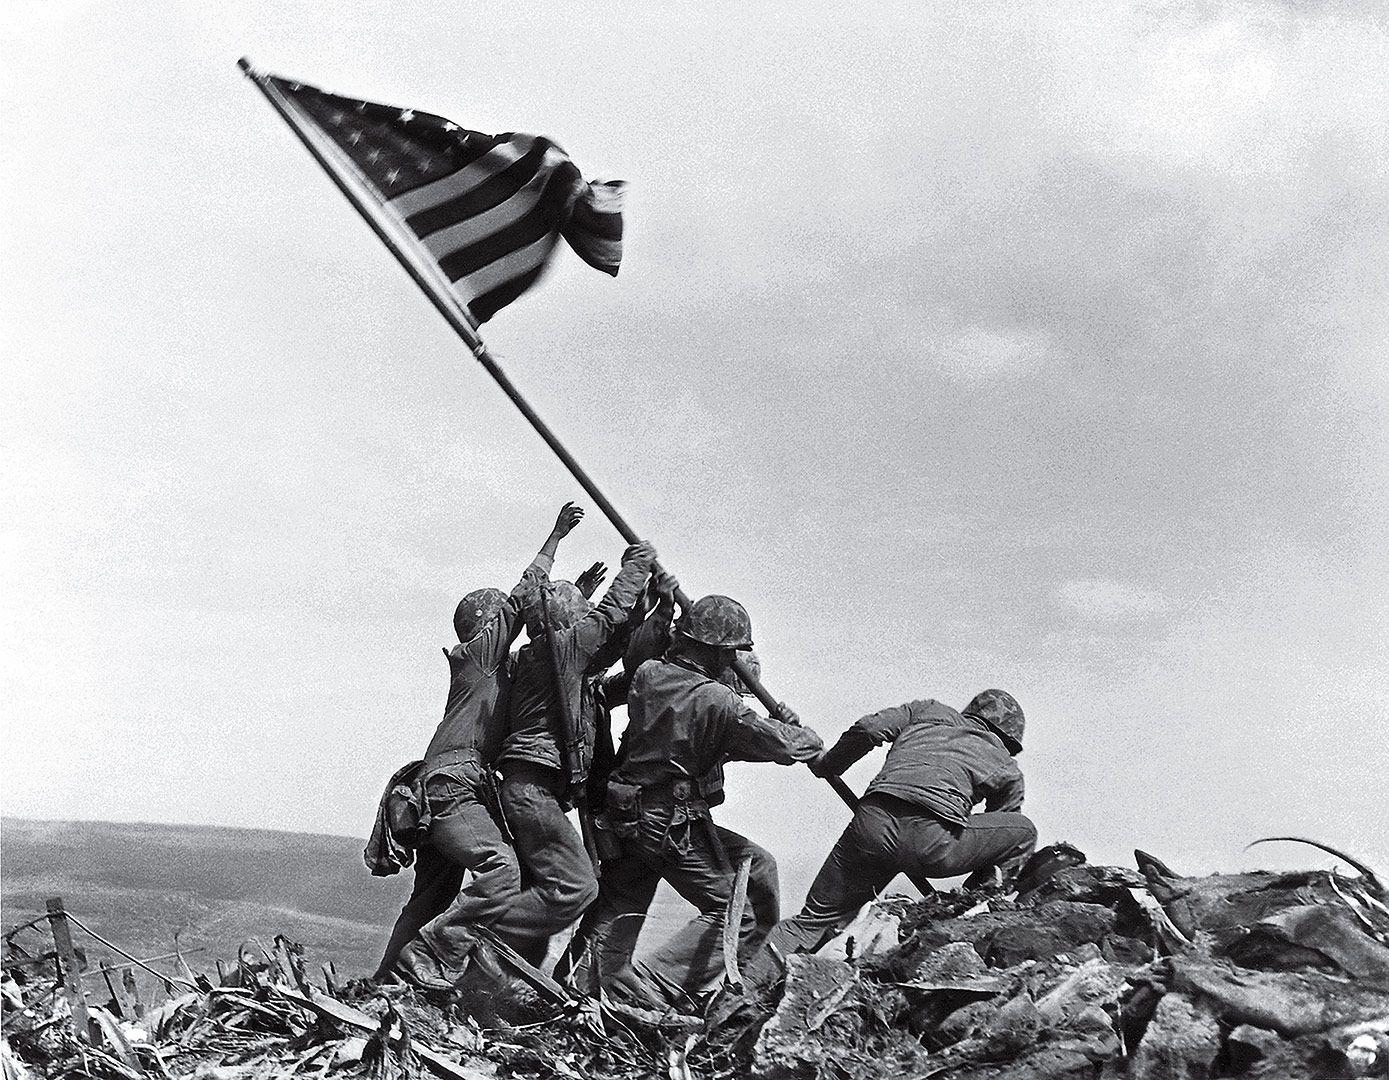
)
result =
(4, 818)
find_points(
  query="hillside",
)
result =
(139, 884)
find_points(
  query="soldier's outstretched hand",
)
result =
(588, 582)
(641, 553)
(787, 715)
(569, 516)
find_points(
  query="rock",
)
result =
(1247, 1045)
(1289, 1002)
(1055, 927)
(790, 1044)
(1224, 906)
(953, 967)
(1090, 884)
(1181, 1043)
(1044, 864)
(964, 1022)
(1085, 992)
(1011, 1030)
(1061, 1061)
(1323, 936)
(875, 929)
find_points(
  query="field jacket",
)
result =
(939, 760)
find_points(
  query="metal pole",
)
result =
(339, 169)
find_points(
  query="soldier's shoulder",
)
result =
(931, 711)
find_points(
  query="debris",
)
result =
(1096, 972)
(733, 921)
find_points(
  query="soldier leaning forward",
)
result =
(683, 724)
(544, 766)
(915, 817)
(454, 796)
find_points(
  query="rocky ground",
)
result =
(1087, 972)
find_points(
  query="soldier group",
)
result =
(541, 718)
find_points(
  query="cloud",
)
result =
(979, 353)
(1109, 601)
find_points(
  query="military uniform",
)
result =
(558, 877)
(462, 833)
(682, 726)
(914, 818)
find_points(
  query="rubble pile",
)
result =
(1085, 972)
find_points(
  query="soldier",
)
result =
(460, 832)
(916, 816)
(541, 771)
(683, 724)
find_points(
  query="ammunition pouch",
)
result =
(622, 812)
(605, 840)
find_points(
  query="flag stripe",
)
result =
(461, 233)
(463, 180)
(488, 304)
(490, 193)
(469, 260)
(500, 271)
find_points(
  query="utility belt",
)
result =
(628, 805)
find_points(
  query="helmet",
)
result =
(1002, 713)
(474, 610)
(730, 678)
(718, 621)
(567, 606)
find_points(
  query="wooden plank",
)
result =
(72, 977)
(117, 988)
(133, 990)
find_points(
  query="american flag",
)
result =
(486, 209)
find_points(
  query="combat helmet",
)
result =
(474, 610)
(1002, 713)
(566, 603)
(719, 621)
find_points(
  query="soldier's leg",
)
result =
(693, 957)
(468, 835)
(610, 928)
(997, 839)
(860, 865)
(764, 890)
(437, 881)
(559, 879)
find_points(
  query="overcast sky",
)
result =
(969, 345)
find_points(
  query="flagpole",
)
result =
(340, 169)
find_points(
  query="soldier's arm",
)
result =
(1005, 793)
(489, 647)
(753, 737)
(869, 731)
(592, 632)
(651, 639)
